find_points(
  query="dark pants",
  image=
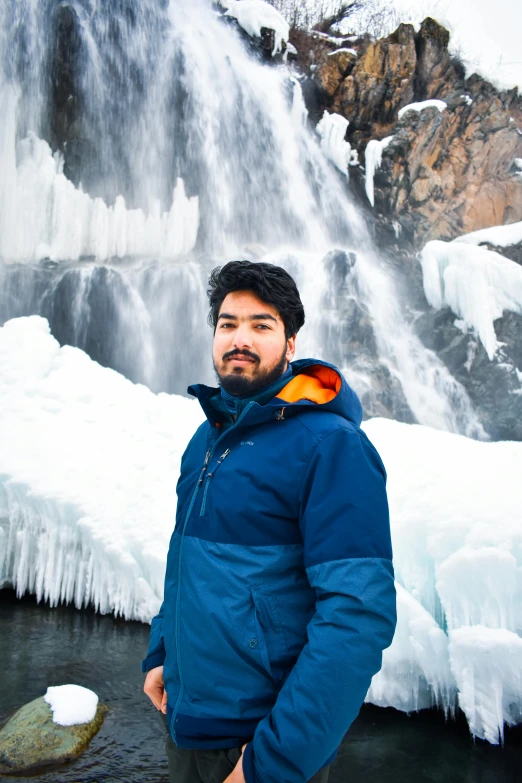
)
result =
(209, 766)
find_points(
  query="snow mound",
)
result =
(457, 541)
(43, 215)
(71, 704)
(252, 15)
(477, 284)
(88, 470)
(373, 160)
(332, 130)
(498, 236)
(421, 105)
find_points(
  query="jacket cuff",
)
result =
(151, 661)
(248, 764)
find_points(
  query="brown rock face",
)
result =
(444, 174)
(379, 84)
(449, 173)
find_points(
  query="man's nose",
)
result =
(242, 336)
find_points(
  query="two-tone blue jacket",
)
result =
(279, 594)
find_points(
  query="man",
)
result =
(279, 594)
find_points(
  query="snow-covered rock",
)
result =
(498, 236)
(421, 105)
(71, 705)
(252, 15)
(88, 469)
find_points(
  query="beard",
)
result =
(239, 385)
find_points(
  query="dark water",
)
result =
(41, 647)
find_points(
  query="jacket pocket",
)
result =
(272, 645)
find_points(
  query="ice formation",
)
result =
(43, 215)
(71, 704)
(477, 284)
(373, 160)
(421, 105)
(252, 15)
(499, 236)
(88, 469)
(332, 130)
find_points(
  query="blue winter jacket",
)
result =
(279, 594)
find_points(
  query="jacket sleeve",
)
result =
(156, 652)
(347, 551)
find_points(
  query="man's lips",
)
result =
(240, 359)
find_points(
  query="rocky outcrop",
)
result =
(31, 740)
(445, 173)
(493, 386)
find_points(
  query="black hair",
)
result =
(270, 283)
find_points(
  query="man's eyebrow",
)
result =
(256, 317)
(227, 316)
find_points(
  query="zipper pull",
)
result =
(225, 454)
(203, 469)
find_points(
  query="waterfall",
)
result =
(143, 143)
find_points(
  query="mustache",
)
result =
(250, 355)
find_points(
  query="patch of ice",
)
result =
(477, 284)
(42, 214)
(332, 131)
(421, 105)
(71, 704)
(499, 236)
(373, 159)
(252, 15)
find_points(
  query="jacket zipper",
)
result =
(208, 456)
(207, 481)
(178, 593)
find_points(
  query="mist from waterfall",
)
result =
(142, 144)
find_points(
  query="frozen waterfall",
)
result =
(142, 145)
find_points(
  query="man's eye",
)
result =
(262, 326)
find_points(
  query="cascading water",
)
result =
(141, 145)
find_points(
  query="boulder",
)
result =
(30, 739)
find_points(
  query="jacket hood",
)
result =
(314, 383)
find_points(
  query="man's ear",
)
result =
(290, 348)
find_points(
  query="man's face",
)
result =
(250, 348)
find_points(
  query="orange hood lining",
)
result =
(316, 383)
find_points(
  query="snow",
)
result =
(468, 99)
(252, 15)
(343, 49)
(88, 466)
(71, 704)
(499, 236)
(421, 105)
(43, 215)
(457, 539)
(484, 35)
(88, 469)
(332, 130)
(373, 159)
(477, 284)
